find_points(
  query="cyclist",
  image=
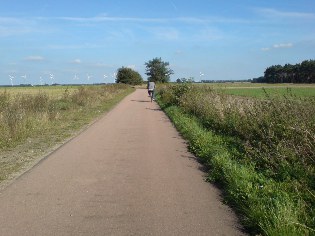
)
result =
(151, 89)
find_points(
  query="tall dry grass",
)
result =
(23, 115)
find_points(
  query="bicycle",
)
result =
(151, 88)
(151, 94)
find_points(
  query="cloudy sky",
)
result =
(67, 41)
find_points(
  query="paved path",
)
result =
(127, 174)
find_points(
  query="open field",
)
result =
(261, 151)
(54, 91)
(34, 121)
(256, 85)
(268, 91)
(263, 90)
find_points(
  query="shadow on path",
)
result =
(140, 101)
(154, 109)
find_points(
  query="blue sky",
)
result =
(54, 41)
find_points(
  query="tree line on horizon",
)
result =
(299, 73)
(159, 71)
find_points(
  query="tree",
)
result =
(307, 71)
(273, 74)
(128, 76)
(298, 73)
(185, 80)
(158, 71)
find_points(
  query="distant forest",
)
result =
(298, 73)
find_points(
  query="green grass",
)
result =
(263, 92)
(264, 204)
(259, 90)
(261, 151)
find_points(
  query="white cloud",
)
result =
(269, 12)
(10, 26)
(265, 49)
(186, 19)
(283, 45)
(34, 58)
(98, 19)
(277, 46)
(178, 52)
(77, 61)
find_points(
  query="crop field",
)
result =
(265, 90)
(34, 120)
(259, 145)
(52, 91)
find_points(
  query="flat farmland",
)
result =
(54, 91)
(264, 90)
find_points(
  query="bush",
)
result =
(128, 76)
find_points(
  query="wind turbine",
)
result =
(105, 76)
(201, 74)
(11, 78)
(40, 80)
(24, 78)
(52, 77)
(89, 77)
(114, 76)
(75, 77)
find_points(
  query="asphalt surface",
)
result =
(127, 174)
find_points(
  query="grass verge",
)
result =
(267, 203)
